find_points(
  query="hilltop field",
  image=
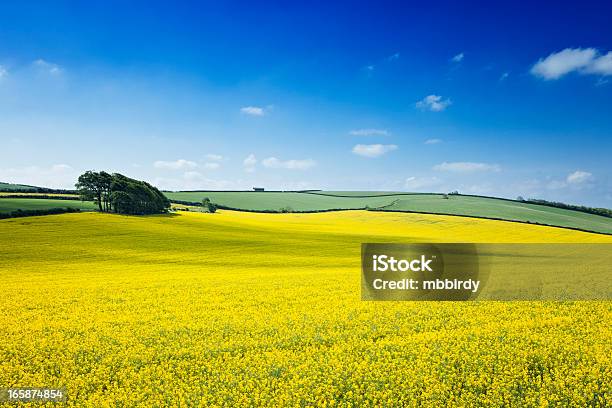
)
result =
(13, 204)
(243, 309)
(318, 201)
(463, 205)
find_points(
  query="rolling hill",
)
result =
(17, 187)
(8, 205)
(471, 206)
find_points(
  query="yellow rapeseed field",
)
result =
(241, 309)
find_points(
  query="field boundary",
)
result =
(34, 213)
(279, 211)
(492, 219)
(528, 201)
(325, 194)
(382, 209)
(368, 196)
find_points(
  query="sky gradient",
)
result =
(495, 100)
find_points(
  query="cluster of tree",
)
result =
(120, 194)
(597, 211)
(47, 211)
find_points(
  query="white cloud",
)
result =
(417, 183)
(466, 167)
(214, 157)
(393, 57)
(212, 166)
(3, 72)
(504, 76)
(249, 163)
(601, 65)
(368, 132)
(458, 57)
(579, 177)
(60, 168)
(253, 111)
(582, 60)
(434, 103)
(48, 67)
(576, 180)
(433, 141)
(193, 180)
(179, 164)
(373, 150)
(274, 163)
(192, 175)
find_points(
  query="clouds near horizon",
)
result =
(179, 164)
(466, 167)
(292, 164)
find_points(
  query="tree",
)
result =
(105, 181)
(120, 194)
(90, 188)
(209, 205)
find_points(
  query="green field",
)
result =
(350, 200)
(358, 193)
(12, 204)
(393, 201)
(16, 187)
(503, 209)
(273, 201)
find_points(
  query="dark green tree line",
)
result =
(120, 194)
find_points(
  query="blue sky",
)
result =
(495, 100)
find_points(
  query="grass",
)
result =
(12, 204)
(244, 309)
(426, 203)
(16, 187)
(277, 200)
(503, 209)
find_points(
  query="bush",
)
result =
(209, 205)
(597, 211)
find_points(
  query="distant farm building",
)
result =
(258, 189)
